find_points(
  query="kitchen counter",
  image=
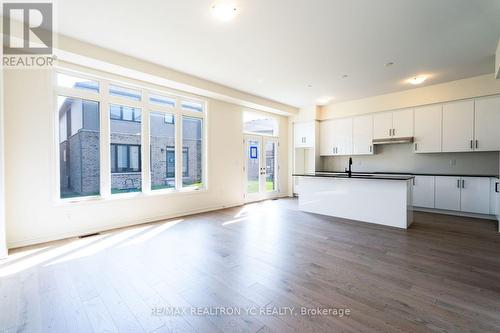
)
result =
(379, 199)
(356, 175)
(408, 174)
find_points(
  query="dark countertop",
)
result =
(355, 176)
(410, 173)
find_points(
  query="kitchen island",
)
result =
(372, 198)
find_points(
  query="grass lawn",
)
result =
(253, 186)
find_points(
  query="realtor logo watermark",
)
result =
(28, 34)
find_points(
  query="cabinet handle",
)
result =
(496, 187)
(477, 144)
(471, 144)
(393, 132)
(370, 148)
(463, 183)
(413, 181)
(390, 131)
(416, 146)
(458, 183)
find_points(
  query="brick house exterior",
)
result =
(80, 158)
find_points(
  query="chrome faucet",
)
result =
(349, 172)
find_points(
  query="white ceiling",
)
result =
(276, 48)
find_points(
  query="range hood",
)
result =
(384, 141)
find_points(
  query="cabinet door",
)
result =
(487, 123)
(447, 193)
(298, 134)
(343, 136)
(458, 126)
(494, 195)
(475, 197)
(382, 125)
(362, 134)
(402, 123)
(428, 121)
(326, 140)
(423, 191)
(304, 134)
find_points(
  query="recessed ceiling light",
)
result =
(324, 100)
(224, 11)
(309, 86)
(388, 64)
(345, 76)
(417, 79)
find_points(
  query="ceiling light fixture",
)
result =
(388, 64)
(324, 100)
(224, 11)
(417, 79)
(345, 76)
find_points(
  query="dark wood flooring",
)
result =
(441, 275)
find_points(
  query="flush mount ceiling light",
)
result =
(324, 100)
(224, 11)
(417, 79)
(388, 64)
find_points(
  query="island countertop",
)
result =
(355, 176)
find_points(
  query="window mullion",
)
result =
(105, 156)
(145, 151)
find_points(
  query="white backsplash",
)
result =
(400, 158)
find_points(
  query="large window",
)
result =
(192, 129)
(125, 152)
(79, 153)
(169, 148)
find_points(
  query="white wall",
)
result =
(449, 91)
(33, 215)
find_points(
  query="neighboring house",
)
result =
(80, 158)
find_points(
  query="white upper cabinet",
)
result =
(487, 124)
(304, 134)
(402, 123)
(336, 137)
(398, 123)
(343, 136)
(475, 196)
(326, 129)
(428, 126)
(423, 191)
(458, 126)
(362, 135)
(382, 125)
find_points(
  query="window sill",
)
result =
(128, 196)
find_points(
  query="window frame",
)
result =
(104, 99)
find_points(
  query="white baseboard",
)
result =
(453, 212)
(33, 241)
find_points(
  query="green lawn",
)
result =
(253, 186)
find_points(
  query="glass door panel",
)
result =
(261, 166)
(253, 168)
(270, 166)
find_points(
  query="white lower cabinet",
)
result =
(494, 196)
(465, 194)
(423, 191)
(447, 193)
(475, 195)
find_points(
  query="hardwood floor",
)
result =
(441, 275)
